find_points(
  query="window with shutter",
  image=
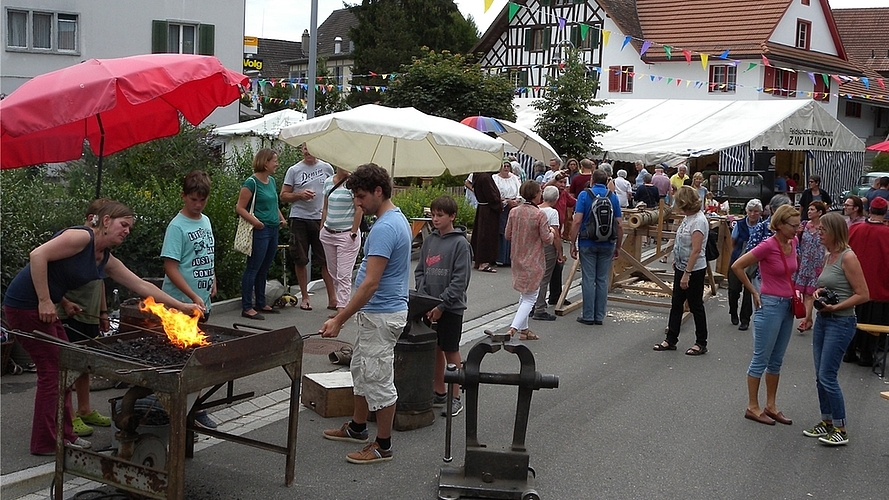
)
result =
(158, 37)
(768, 80)
(529, 39)
(206, 39)
(614, 79)
(547, 33)
(821, 90)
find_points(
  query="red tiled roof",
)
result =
(865, 35)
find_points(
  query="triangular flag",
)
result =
(488, 5)
(626, 41)
(606, 34)
(811, 77)
(660, 78)
(669, 81)
(651, 77)
(765, 61)
(837, 79)
(866, 82)
(669, 51)
(584, 31)
(678, 81)
(687, 55)
(704, 58)
(645, 45)
(882, 85)
(562, 22)
(513, 9)
(749, 67)
(724, 55)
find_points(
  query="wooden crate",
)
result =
(329, 394)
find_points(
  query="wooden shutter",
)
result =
(614, 79)
(529, 39)
(523, 78)
(768, 80)
(158, 37)
(791, 83)
(206, 39)
(547, 32)
(575, 36)
(546, 3)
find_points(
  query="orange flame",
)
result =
(181, 329)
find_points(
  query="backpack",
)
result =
(712, 249)
(600, 225)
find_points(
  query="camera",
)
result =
(826, 297)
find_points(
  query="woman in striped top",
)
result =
(340, 237)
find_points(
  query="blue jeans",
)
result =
(830, 337)
(772, 325)
(595, 269)
(265, 244)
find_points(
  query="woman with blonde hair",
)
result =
(689, 267)
(841, 287)
(265, 219)
(773, 316)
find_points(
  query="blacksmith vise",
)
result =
(487, 473)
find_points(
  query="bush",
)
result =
(412, 200)
(880, 163)
(148, 179)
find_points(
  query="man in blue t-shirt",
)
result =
(380, 301)
(595, 256)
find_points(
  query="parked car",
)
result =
(864, 183)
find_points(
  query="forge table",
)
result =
(213, 366)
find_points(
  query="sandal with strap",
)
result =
(528, 335)
(664, 346)
(696, 350)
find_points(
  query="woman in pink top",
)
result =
(773, 316)
(528, 231)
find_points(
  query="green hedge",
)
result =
(412, 200)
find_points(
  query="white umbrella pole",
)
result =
(394, 147)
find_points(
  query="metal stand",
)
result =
(503, 474)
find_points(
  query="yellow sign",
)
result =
(252, 64)
(251, 45)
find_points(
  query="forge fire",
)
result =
(181, 329)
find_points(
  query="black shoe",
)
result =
(850, 358)
(735, 319)
(254, 316)
(580, 319)
(544, 317)
(744, 326)
(862, 361)
(597, 322)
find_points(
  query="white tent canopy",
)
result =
(269, 125)
(667, 130)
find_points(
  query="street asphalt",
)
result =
(626, 422)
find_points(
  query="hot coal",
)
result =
(156, 350)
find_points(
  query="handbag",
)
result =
(244, 234)
(797, 306)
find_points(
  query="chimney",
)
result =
(338, 45)
(305, 42)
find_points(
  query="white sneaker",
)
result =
(81, 443)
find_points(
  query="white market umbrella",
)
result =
(407, 142)
(527, 141)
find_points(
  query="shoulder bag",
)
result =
(244, 234)
(796, 300)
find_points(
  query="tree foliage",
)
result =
(391, 32)
(565, 120)
(451, 86)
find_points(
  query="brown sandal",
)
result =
(528, 335)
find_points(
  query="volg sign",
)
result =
(252, 64)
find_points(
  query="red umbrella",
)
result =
(112, 103)
(882, 147)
